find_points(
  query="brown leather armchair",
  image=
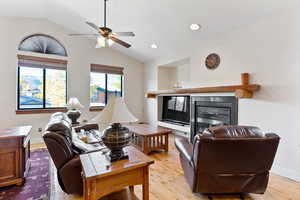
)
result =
(65, 155)
(228, 159)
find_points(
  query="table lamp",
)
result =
(74, 107)
(115, 136)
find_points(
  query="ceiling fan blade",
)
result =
(126, 34)
(87, 34)
(125, 44)
(94, 26)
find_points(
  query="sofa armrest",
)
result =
(71, 176)
(185, 148)
(87, 127)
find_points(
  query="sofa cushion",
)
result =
(57, 125)
(59, 148)
(60, 124)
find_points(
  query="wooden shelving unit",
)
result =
(245, 90)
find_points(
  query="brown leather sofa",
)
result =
(64, 154)
(228, 159)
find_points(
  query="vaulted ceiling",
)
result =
(163, 22)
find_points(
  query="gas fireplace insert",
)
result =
(209, 111)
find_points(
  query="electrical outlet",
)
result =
(40, 130)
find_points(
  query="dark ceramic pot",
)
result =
(116, 138)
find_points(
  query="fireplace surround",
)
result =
(209, 111)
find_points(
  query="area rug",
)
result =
(36, 186)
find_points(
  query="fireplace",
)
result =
(212, 111)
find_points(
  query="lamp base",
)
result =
(116, 138)
(118, 155)
(74, 115)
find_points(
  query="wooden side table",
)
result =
(100, 181)
(149, 138)
(14, 155)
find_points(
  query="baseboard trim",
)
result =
(36, 140)
(289, 173)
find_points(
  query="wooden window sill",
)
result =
(40, 111)
(96, 108)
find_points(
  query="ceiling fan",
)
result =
(106, 36)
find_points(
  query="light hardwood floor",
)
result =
(167, 182)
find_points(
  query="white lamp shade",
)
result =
(116, 111)
(74, 104)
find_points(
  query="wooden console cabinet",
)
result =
(14, 155)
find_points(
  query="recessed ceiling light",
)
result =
(154, 46)
(195, 27)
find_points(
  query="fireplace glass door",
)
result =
(211, 116)
(212, 111)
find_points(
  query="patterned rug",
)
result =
(37, 181)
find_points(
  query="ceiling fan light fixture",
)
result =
(106, 36)
(154, 46)
(195, 27)
(101, 41)
(104, 42)
(110, 42)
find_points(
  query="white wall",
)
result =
(270, 51)
(173, 75)
(183, 75)
(81, 54)
(167, 77)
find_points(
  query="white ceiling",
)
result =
(164, 22)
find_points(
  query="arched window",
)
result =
(42, 81)
(41, 43)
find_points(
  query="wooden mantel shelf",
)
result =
(245, 90)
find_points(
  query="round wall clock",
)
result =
(212, 61)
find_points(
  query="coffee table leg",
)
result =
(145, 144)
(131, 188)
(146, 184)
(167, 142)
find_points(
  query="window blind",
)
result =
(39, 62)
(106, 69)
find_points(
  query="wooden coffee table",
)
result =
(99, 181)
(149, 138)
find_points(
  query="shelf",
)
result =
(245, 90)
